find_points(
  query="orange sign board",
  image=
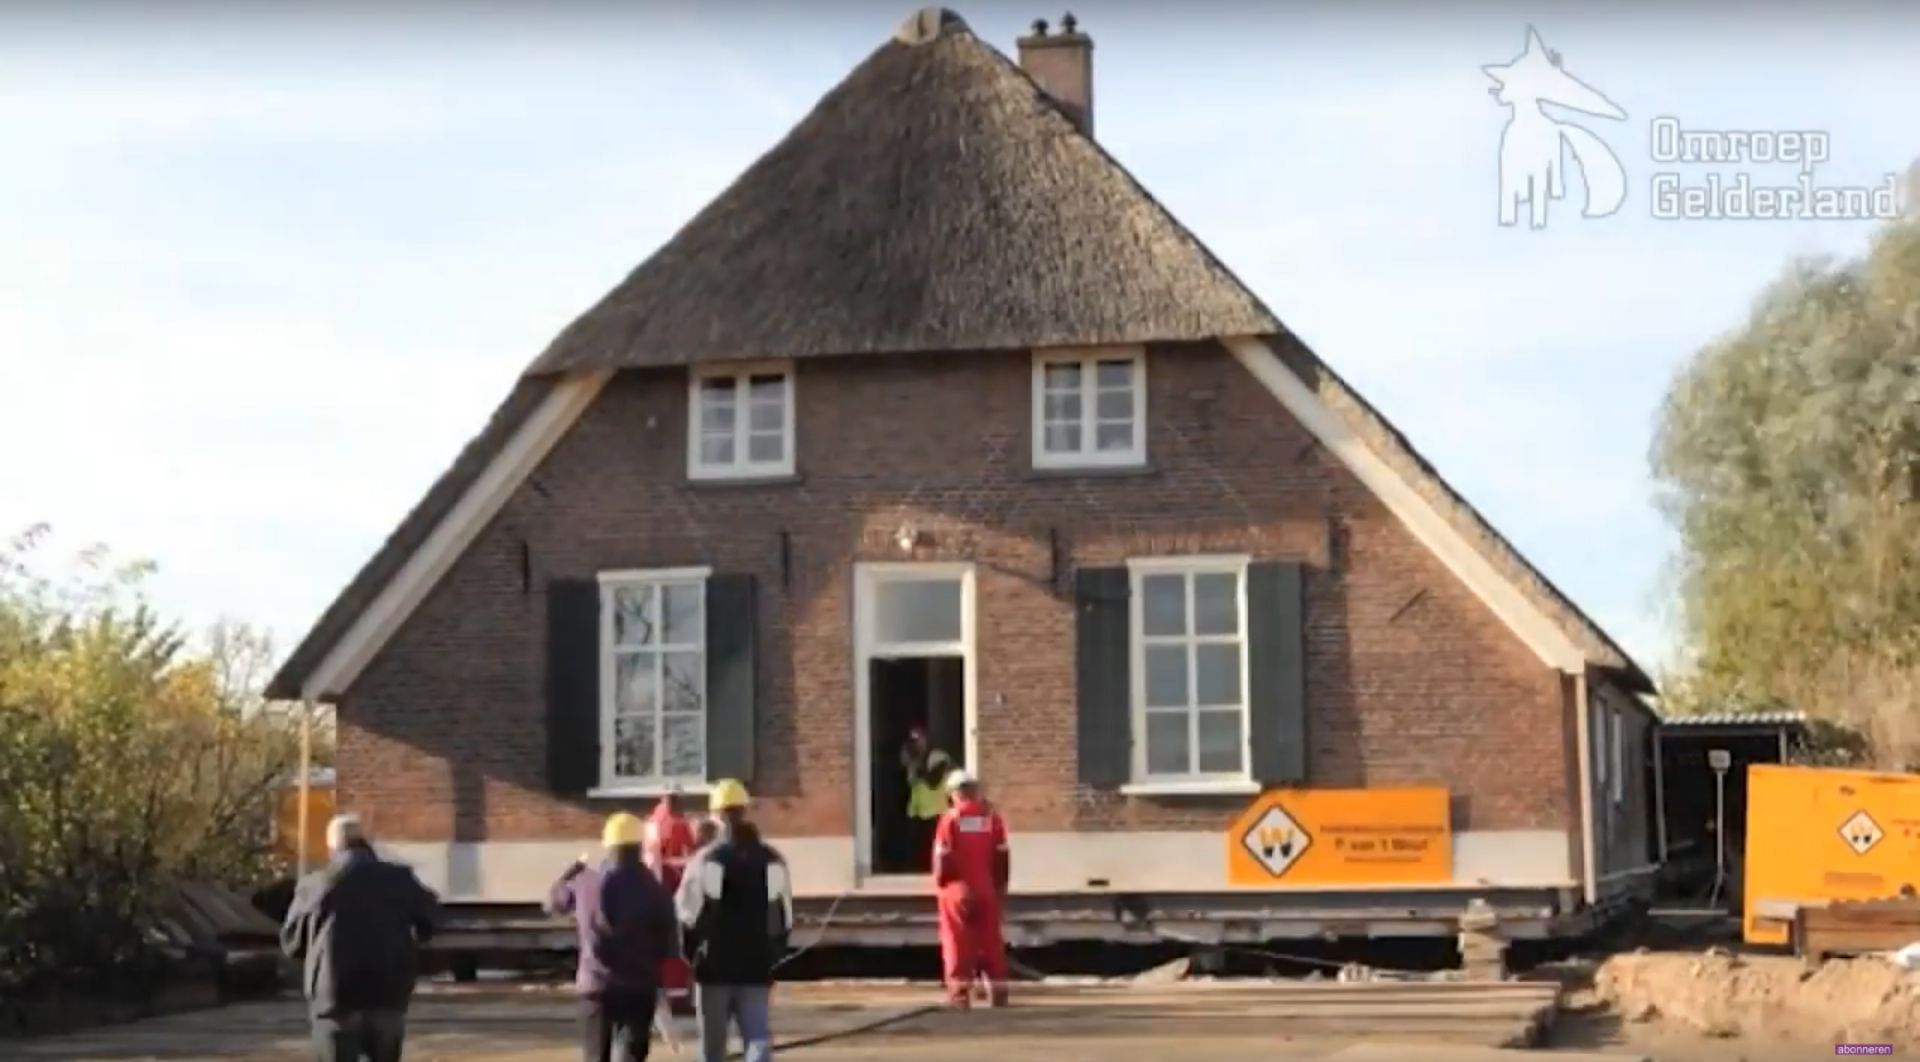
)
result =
(1294, 837)
(1818, 834)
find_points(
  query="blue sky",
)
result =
(268, 268)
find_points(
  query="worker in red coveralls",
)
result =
(971, 864)
(669, 844)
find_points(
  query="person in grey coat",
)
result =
(356, 926)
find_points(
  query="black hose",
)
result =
(847, 1033)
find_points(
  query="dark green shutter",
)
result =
(573, 685)
(731, 622)
(1277, 667)
(1101, 676)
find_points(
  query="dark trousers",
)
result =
(359, 1036)
(616, 1026)
(921, 832)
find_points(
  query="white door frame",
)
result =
(867, 578)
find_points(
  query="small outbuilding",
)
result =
(1685, 786)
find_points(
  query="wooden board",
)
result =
(1855, 928)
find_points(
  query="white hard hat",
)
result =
(959, 777)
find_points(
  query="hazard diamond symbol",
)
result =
(1861, 832)
(1276, 840)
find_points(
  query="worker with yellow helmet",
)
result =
(736, 907)
(626, 927)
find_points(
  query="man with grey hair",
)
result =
(355, 926)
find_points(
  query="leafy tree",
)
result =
(131, 761)
(1789, 455)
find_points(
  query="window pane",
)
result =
(768, 388)
(717, 391)
(766, 416)
(683, 613)
(1216, 678)
(1220, 743)
(1063, 438)
(765, 449)
(682, 747)
(1166, 676)
(1216, 604)
(1113, 436)
(1115, 374)
(682, 680)
(717, 419)
(1063, 407)
(1163, 608)
(635, 620)
(716, 449)
(1167, 743)
(1063, 376)
(633, 746)
(636, 686)
(1114, 405)
(917, 610)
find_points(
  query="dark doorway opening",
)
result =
(908, 692)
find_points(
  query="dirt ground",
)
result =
(1662, 1007)
(1193, 1025)
(1723, 1006)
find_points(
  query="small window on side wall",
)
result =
(740, 422)
(1089, 408)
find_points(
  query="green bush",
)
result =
(130, 761)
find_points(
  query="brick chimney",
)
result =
(1062, 64)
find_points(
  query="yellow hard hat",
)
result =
(727, 793)
(622, 830)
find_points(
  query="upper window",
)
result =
(1189, 668)
(741, 422)
(653, 688)
(1089, 408)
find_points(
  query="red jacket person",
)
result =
(971, 865)
(669, 844)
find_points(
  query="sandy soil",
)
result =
(1724, 1006)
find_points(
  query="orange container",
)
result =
(1818, 834)
(286, 823)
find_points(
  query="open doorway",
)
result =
(924, 692)
(913, 665)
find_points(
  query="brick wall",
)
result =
(1411, 679)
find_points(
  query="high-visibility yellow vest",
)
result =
(927, 798)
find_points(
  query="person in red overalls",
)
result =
(669, 844)
(971, 865)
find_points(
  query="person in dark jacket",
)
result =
(736, 902)
(356, 926)
(626, 925)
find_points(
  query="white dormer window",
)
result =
(740, 421)
(1090, 408)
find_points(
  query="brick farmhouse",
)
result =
(935, 415)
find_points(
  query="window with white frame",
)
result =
(1089, 408)
(653, 688)
(1189, 669)
(1600, 760)
(1619, 758)
(740, 422)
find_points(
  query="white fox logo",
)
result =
(1532, 155)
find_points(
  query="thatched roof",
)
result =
(935, 200)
